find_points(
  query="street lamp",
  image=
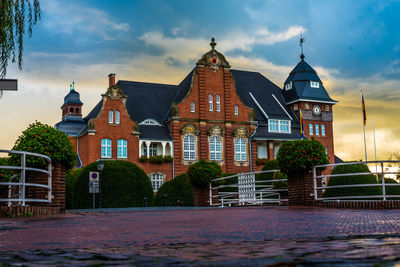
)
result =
(100, 167)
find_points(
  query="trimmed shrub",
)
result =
(6, 174)
(178, 192)
(123, 184)
(391, 190)
(44, 139)
(202, 172)
(351, 180)
(301, 155)
(70, 180)
(228, 181)
(261, 161)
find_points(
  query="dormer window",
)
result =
(314, 84)
(278, 126)
(288, 86)
(150, 122)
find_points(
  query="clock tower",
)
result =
(303, 90)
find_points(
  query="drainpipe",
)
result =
(250, 138)
(173, 159)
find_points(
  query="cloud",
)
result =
(79, 21)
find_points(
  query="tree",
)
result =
(13, 24)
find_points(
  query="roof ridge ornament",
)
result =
(213, 43)
(302, 40)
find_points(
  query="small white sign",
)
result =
(93, 176)
(94, 190)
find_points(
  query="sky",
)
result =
(353, 46)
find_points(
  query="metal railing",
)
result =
(245, 189)
(383, 169)
(17, 185)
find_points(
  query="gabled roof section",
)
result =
(262, 90)
(301, 77)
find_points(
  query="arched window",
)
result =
(189, 152)
(157, 179)
(122, 149)
(192, 107)
(240, 149)
(77, 110)
(71, 110)
(218, 102)
(236, 111)
(316, 129)
(116, 117)
(210, 102)
(111, 116)
(215, 148)
(105, 148)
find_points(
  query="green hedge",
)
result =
(391, 190)
(123, 184)
(178, 192)
(70, 180)
(301, 155)
(202, 172)
(46, 140)
(352, 179)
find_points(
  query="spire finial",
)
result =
(73, 85)
(213, 43)
(302, 39)
(70, 86)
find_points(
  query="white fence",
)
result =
(384, 170)
(246, 189)
(15, 181)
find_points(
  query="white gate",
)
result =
(247, 188)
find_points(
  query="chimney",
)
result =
(111, 79)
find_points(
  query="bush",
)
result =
(351, 180)
(391, 190)
(202, 172)
(168, 159)
(123, 184)
(70, 180)
(44, 139)
(178, 191)
(261, 161)
(228, 181)
(156, 159)
(272, 165)
(301, 155)
(6, 174)
(143, 159)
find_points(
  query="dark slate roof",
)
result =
(155, 132)
(263, 90)
(263, 134)
(146, 101)
(300, 77)
(72, 97)
(184, 86)
(71, 125)
(338, 160)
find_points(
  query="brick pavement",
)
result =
(212, 234)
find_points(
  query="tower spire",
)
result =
(302, 39)
(213, 43)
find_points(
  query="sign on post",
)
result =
(94, 182)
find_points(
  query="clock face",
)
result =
(316, 110)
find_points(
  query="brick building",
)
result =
(216, 113)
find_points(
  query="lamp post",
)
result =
(100, 167)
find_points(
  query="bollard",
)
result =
(145, 201)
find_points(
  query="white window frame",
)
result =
(278, 124)
(192, 107)
(110, 117)
(210, 102)
(153, 149)
(316, 129)
(122, 149)
(323, 130)
(150, 122)
(189, 147)
(240, 149)
(314, 84)
(215, 148)
(236, 110)
(157, 180)
(117, 117)
(310, 129)
(218, 103)
(106, 148)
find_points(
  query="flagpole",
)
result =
(376, 164)
(364, 118)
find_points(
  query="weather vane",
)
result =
(302, 39)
